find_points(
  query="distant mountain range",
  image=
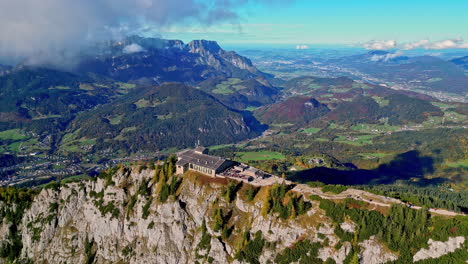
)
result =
(422, 72)
(463, 62)
(153, 61)
(143, 95)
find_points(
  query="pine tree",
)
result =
(170, 169)
(156, 174)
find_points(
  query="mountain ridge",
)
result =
(143, 213)
(160, 60)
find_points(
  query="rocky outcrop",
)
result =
(348, 226)
(438, 248)
(374, 252)
(156, 61)
(211, 54)
(120, 217)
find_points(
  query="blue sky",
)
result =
(336, 21)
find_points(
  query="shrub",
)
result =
(250, 193)
(252, 250)
(337, 189)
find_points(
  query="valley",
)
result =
(233, 131)
(294, 126)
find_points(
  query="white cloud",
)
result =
(380, 45)
(415, 45)
(457, 43)
(133, 48)
(302, 47)
(463, 46)
(386, 57)
(436, 45)
(44, 30)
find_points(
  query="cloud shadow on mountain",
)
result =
(410, 165)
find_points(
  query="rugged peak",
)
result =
(147, 43)
(199, 46)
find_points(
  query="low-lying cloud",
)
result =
(436, 45)
(302, 47)
(133, 48)
(420, 44)
(380, 45)
(386, 57)
(38, 31)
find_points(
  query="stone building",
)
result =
(198, 160)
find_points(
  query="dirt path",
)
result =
(367, 197)
(355, 194)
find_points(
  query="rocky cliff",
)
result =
(158, 60)
(138, 215)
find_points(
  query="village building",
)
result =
(198, 160)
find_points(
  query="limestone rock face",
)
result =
(374, 252)
(337, 255)
(211, 54)
(122, 220)
(437, 248)
(348, 226)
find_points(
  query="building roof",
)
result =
(195, 157)
(200, 150)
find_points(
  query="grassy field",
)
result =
(311, 130)
(76, 177)
(449, 116)
(373, 155)
(261, 155)
(14, 146)
(78, 145)
(355, 140)
(116, 120)
(220, 146)
(282, 125)
(222, 89)
(380, 101)
(335, 126)
(251, 108)
(321, 139)
(458, 164)
(46, 117)
(12, 134)
(226, 86)
(374, 128)
(441, 105)
(126, 86)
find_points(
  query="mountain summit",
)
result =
(158, 60)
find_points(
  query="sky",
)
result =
(57, 31)
(336, 22)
